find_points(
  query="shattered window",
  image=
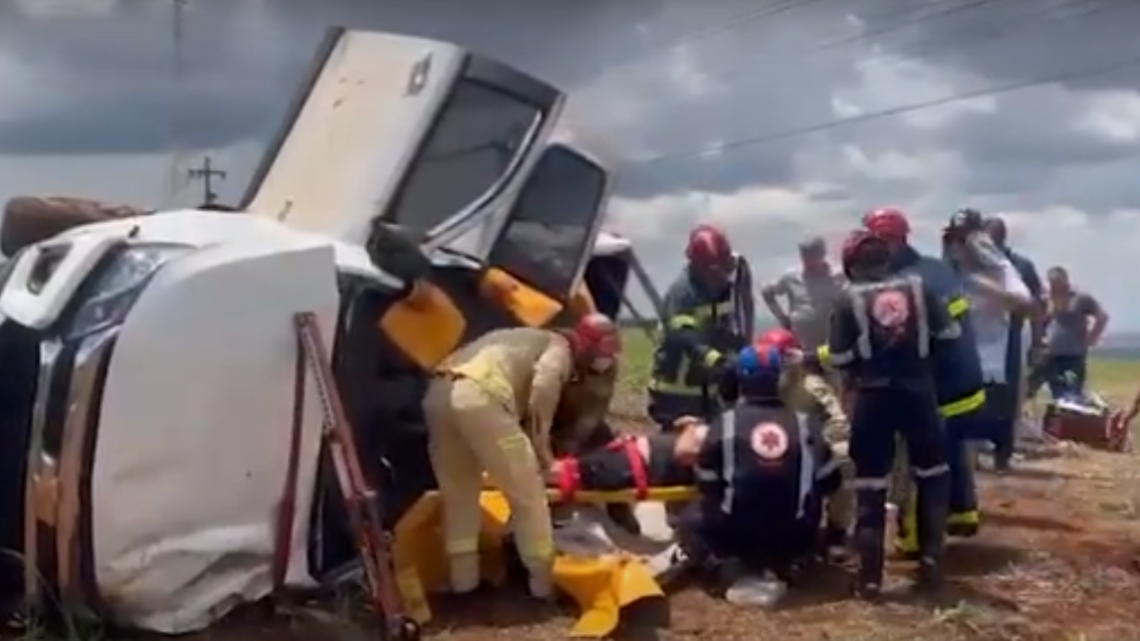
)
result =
(473, 142)
(545, 239)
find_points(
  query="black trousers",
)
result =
(878, 417)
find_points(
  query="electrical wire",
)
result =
(738, 21)
(759, 139)
(916, 15)
(964, 36)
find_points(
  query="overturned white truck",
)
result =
(150, 410)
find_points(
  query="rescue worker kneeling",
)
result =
(489, 409)
(882, 336)
(807, 390)
(760, 478)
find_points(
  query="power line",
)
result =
(917, 48)
(787, 5)
(760, 139)
(732, 24)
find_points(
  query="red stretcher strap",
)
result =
(628, 444)
(569, 478)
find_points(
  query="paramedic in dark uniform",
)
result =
(760, 475)
(700, 331)
(881, 339)
(959, 382)
(761, 480)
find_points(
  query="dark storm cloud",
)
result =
(1028, 149)
(241, 61)
(641, 75)
(1014, 40)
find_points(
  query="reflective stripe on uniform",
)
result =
(462, 546)
(839, 359)
(704, 312)
(923, 320)
(728, 459)
(513, 442)
(705, 475)
(930, 472)
(872, 484)
(682, 321)
(712, 357)
(957, 306)
(964, 405)
(807, 463)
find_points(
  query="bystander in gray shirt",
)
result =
(1067, 332)
(810, 300)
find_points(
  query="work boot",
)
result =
(933, 499)
(540, 585)
(869, 577)
(540, 577)
(928, 575)
(869, 534)
(464, 572)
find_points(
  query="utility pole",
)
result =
(207, 173)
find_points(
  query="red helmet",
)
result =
(855, 243)
(780, 338)
(888, 223)
(708, 246)
(596, 336)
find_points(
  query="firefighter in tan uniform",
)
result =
(489, 408)
(808, 391)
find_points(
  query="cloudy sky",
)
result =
(715, 111)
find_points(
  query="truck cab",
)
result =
(412, 200)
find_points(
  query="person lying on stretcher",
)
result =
(760, 475)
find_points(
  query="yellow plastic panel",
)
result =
(426, 326)
(600, 586)
(530, 306)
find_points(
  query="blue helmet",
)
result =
(758, 369)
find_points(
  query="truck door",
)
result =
(402, 130)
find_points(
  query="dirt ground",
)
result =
(1054, 562)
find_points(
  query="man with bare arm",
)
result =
(1074, 323)
(810, 291)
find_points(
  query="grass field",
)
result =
(1116, 379)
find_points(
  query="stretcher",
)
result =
(601, 585)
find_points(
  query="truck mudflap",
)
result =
(601, 584)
